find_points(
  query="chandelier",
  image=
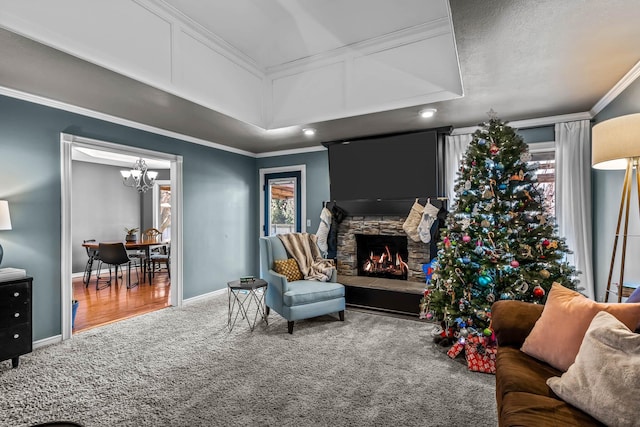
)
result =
(139, 177)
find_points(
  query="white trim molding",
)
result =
(67, 142)
(617, 89)
(532, 123)
(303, 192)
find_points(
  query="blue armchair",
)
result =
(301, 299)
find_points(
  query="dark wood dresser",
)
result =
(15, 319)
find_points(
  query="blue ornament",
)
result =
(502, 187)
(500, 167)
(482, 141)
(466, 260)
(485, 280)
(489, 164)
(505, 295)
(479, 250)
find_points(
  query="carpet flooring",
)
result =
(182, 367)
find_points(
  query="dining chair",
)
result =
(115, 254)
(162, 255)
(92, 255)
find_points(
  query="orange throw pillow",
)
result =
(558, 333)
(288, 267)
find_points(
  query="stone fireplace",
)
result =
(382, 226)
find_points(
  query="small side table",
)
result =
(241, 297)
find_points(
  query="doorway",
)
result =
(69, 143)
(283, 201)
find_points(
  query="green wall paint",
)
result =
(219, 191)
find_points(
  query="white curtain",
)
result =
(573, 196)
(454, 149)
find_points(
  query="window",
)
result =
(162, 209)
(544, 154)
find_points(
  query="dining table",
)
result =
(144, 245)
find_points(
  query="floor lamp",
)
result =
(616, 145)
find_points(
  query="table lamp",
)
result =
(5, 221)
(616, 145)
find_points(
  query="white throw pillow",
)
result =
(604, 381)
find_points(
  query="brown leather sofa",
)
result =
(522, 395)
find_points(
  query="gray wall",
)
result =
(219, 190)
(101, 207)
(607, 189)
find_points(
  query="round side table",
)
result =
(242, 295)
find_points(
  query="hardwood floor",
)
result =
(116, 302)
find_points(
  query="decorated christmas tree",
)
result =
(499, 243)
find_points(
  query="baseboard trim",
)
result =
(204, 296)
(47, 341)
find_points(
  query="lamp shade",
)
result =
(5, 219)
(614, 141)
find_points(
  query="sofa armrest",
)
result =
(512, 321)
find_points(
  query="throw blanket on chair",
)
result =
(303, 248)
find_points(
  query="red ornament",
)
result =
(545, 242)
(494, 149)
(538, 292)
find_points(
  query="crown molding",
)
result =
(617, 89)
(532, 123)
(36, 99)
(291, 151)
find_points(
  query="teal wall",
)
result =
(607, 189)
(539, 134)
(317, 167)
(219, 191)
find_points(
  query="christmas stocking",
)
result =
(323, 231)
(410, 225)
(429, 215)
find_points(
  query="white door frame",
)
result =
(303, 192)
(67, 142)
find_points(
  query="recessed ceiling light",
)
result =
(427, 112)
(309, 131)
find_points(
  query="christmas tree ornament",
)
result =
(514, 263)
(545, 274)
(466, 238)
(546, 243)
(467, 185)
(525, 157)
(538, 291)
(485, 223)
(487, 332)
(494, 149)
(485, 280)
(506, 296)
(466, 260)
(521, 286)
(482, 141)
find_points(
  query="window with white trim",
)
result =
(544, 153)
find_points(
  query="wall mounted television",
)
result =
(384, 174)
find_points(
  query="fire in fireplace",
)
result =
(382, 256)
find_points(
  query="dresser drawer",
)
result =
(15, 295)
(14, 316)
(15, 341)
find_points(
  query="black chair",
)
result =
(115, 254)
(92, 255)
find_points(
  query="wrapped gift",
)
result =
(480, 357)
(455, 350)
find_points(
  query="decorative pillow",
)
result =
(288, 267)
(558, 333)
(604, 380)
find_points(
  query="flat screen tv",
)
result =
(384, 174)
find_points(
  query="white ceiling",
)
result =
(524, 59)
